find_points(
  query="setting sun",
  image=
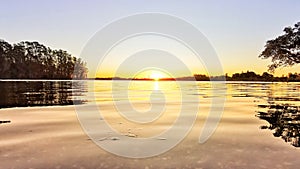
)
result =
(152, 74)
(156, 75)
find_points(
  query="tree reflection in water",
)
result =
(40, 93)
(284, 120)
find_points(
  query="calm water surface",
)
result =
(277, 103)
(35, 93)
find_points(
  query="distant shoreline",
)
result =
(248, 76)
(125, 79)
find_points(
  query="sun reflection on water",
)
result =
(156, 86)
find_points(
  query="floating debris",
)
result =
(4, 121)
(115, 138)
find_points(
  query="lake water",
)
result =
(35, 93)
(20, 93)
(277, 103)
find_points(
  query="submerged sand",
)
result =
(51, 137)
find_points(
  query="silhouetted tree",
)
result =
(33, 60)
(200, 77)
(285, 49)
(5, 58)
(267, 77)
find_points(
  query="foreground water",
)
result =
(52, 137)
(277, 103)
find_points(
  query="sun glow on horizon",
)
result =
(156, 75)
(152, 74)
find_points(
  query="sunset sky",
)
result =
(236, 29)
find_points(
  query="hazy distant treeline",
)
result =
(32, 60)
(252, 76)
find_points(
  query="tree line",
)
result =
(32, 60)
(251, 76)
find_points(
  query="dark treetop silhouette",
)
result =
(285, 49)
(32, 60)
